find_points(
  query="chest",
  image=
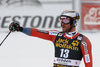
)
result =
(68, 48)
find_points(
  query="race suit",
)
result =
(69, 47)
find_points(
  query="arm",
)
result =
(86, 49)
(39, 33)
(47, 35)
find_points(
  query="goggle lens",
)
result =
(65, 20)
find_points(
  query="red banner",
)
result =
(90, 16)
(90, 0)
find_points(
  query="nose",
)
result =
(62, 24)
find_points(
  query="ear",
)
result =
(74, 22)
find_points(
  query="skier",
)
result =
(70, 45)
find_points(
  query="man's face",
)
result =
(65, 27)
(65, 23)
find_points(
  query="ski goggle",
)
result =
(65, 20)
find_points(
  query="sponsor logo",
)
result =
(57, 65)
(60, 34)
(76, 62)
(38, 22)
(93, 17)
(62, 61)
(75, 43)
(16, 3)
(64, 43)
(87, 58)
(53, 32)
(85, 47)
(69, 62)
(79, 38)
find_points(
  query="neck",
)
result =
(73, 29)
(71, 34)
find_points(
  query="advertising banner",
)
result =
(90, 16)
(42, 14)
(90, 0)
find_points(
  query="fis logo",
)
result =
(60, 34)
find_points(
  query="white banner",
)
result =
(69, 62)
(40, 14)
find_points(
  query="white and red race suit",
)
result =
(70, 47)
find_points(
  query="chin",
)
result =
(65, 30)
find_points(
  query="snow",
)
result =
(21, 50)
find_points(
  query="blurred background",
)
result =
(20, 50)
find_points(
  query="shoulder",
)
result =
(85, 40)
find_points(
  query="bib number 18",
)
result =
(64, 53)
